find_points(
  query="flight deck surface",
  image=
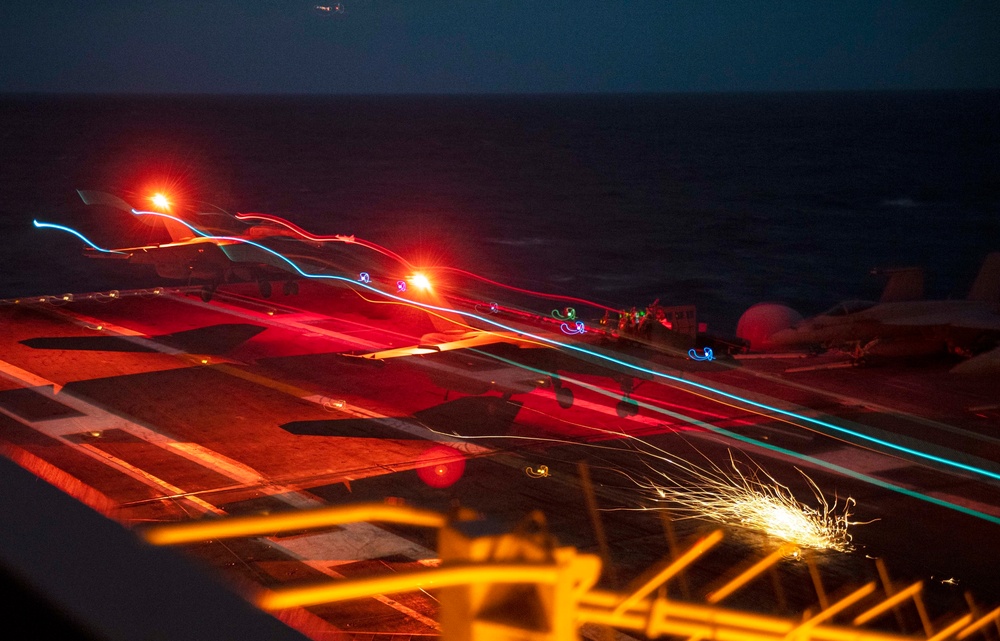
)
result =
(162, 407)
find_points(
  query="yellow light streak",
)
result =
(952, 629)
(888, 604)
(194, 531)
(829, 612)
(744, 577)
(980, 623)
(425, 579)
(658, 617)
(669, 571)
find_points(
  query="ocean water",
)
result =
(716, 200)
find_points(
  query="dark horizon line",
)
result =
(473, 94)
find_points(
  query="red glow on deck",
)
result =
(441, 467)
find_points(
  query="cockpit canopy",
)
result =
(847, 307)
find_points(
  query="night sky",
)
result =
(473, 46)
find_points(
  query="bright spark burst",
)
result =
(751, 498)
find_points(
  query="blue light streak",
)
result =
(365, 277)
(708, 355)
(77, 234)
(609, 359)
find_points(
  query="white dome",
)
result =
(761, 321)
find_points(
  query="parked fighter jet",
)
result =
(896, 325)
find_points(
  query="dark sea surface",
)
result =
(716, 200)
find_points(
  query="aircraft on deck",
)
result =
(464, 354)
(207, 248)
(900, 324)
(478, 362)
(509, 359)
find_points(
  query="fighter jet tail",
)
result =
(904, 284)
(986, 287)
(178, 231)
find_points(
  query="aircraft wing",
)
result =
(524, 351)
(184, 255)
(175, 248)
(447, 343)
(976, 318)
(196, 258)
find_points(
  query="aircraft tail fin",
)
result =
(904, 284)
(986, 287)
(176, 230)
(101, 198)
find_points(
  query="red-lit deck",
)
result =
(164, 407)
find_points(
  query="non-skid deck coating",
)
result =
(171, 408)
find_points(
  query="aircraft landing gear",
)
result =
(207, 292)
(264, 285)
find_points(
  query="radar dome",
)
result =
(763, 320)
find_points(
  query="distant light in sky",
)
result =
(326, 10)
(557, 46)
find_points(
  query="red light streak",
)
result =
(391, 254)
(571, 299)
(340, 238)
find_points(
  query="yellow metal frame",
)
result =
(569, 578)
